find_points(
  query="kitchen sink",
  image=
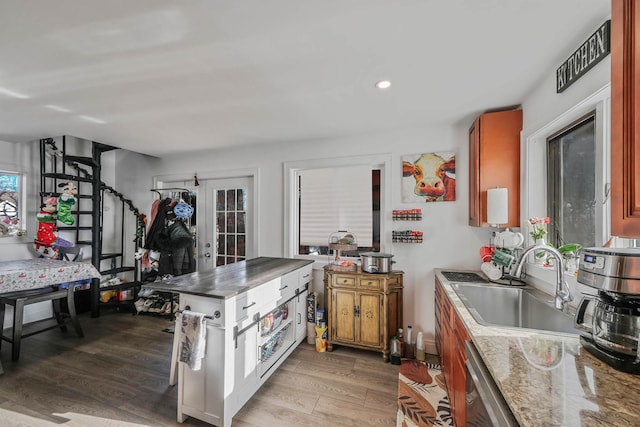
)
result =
(514, 308)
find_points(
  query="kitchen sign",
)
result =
(592, 51)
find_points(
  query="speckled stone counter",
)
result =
(549, 379)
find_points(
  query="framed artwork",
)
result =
(429, 177)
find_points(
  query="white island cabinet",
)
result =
(255, 319)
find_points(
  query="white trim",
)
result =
(534, 147)
(22, 207)
(291, 209)
(252, 173)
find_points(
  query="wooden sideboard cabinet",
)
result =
(451, 336)
(625, 118)
(494, 161)
(363, 310)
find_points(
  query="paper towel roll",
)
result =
(497, 206)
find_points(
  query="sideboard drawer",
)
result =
(369, 283)
(349, 281)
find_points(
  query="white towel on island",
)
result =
(193, 338)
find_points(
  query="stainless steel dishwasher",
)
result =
(485, 405)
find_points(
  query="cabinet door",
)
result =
(625, 119)
(458, 390)
(494, 161)
(447, 369)
(246, 366)
(459, 357)
(300, 321)
(343, 322)
(369, 314)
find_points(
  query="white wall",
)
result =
(18, 158)
(542, 109)
(449, 242)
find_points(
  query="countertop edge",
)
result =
(220, 283)
(559, 396)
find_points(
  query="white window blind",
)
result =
(334, 199)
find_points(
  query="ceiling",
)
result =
(161, 76)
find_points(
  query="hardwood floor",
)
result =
(118, 374)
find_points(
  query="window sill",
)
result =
(544, 278)
(8, 240)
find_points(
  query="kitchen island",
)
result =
(256, 315)
(549, 379)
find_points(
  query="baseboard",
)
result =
(430, 347)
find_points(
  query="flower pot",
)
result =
(540, 256)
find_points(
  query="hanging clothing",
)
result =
(159, 223)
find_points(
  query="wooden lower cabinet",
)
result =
(451, 336)
(363, 310)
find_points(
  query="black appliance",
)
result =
(611, 328)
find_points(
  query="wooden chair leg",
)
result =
(18, 313)
(71, 304)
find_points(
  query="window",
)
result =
(571, 183)
(332, 199)
(11, 203)
(365, 217)
(567, 173)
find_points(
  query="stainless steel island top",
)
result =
(232, 279)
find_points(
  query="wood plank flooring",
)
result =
(118, 374)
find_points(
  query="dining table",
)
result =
(41, 273)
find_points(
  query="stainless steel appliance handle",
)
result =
(579, 317)
(492, 401)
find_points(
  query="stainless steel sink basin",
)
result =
(514, 308)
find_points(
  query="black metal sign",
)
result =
(592, 51)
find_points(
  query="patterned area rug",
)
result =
(422, 396)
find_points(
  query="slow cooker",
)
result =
(376, 262)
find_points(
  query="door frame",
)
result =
(251, 173)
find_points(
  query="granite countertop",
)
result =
(232, 279)
(549, 379)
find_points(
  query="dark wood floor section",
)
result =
(117, 375)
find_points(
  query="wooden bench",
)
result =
(55, 293)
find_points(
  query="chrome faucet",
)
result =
(563, 295)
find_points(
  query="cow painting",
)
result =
(429, 177)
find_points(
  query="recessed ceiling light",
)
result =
(12, 93)
(383, 84)
(92, 119)
(58, 108)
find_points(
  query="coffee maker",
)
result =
(612, 328)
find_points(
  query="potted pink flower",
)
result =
(538, 228)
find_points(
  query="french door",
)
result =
(228, 233)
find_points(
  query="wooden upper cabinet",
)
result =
(625, 119)
(494, 161)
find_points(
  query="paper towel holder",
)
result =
(497, 206)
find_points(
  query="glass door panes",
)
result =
(231, 218)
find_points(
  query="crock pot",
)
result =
(376, 262)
